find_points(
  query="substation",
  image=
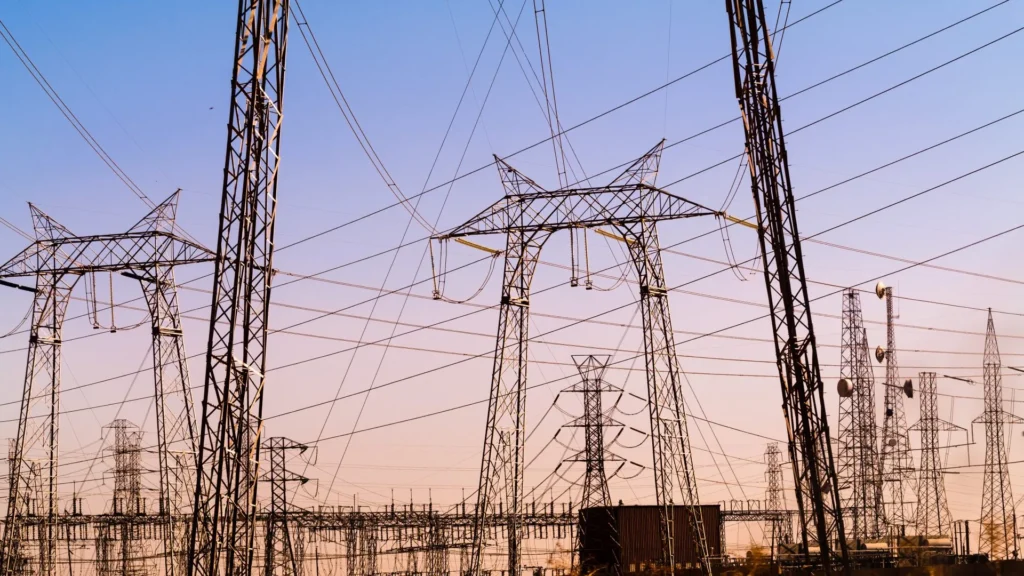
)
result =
(856, 497)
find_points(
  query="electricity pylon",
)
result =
(998, 531)
(127, 500)
(803, 394)
(528, 215)
(280, 558)
(595, 422)
(221, 533)
(780, 531)
(859, 472)
(897, 459)
(932, 517)
(148, 252)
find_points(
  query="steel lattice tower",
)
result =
(897, 460)
(595, 423)
(998, 531)
(221, 537)
(932, 517)
(775, 496)
(859, 473)
(280, 556)
(528, 215)
(803, 394)
(148, 252)
(131, 556)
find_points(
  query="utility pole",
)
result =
(932, 518)
(528, 215)
(897, 459)
(221, 536)
(998, 530)
(280, 557)
(803, 395)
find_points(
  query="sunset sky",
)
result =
(151, 81)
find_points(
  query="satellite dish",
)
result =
(908, 389)
(880, 354)
(880, 289)
(844, 388)
(891, 442)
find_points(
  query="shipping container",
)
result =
(630, 536)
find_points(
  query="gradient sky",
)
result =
(151, 83)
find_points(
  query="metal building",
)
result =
(632, 535)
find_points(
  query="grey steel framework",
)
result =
(596, 421)
(860, 476)
(221, 533)
(803, 395)
(528, 215)
(932, 517)
(780, 531)
(148, 252)
(897, 459)
(280, 557)
(998, 525)
(130, 558)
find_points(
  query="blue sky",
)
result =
(151, 83)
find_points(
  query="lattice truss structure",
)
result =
(803, 395)
(527, 215)
(221, 535)
(148, 252)
(779, 531)
(860, 474)
(932, 515)
(897, 458)
(596, 423)
(283, 552)
(998, 524)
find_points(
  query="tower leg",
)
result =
(38, 424)
(501, 470)
(175, 420)
(670, 441)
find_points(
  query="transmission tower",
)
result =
(859, 472)
(803, 395)
(148, 251)
(528, 215)
(775, 496)
(131, 556)
(221, 533)
(280, 558)
(595, 422)
(897, 461)
(998, 533)
(932, 518)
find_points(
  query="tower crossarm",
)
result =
(103, 253)
(616, 205)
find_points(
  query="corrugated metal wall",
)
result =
(632, 535)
